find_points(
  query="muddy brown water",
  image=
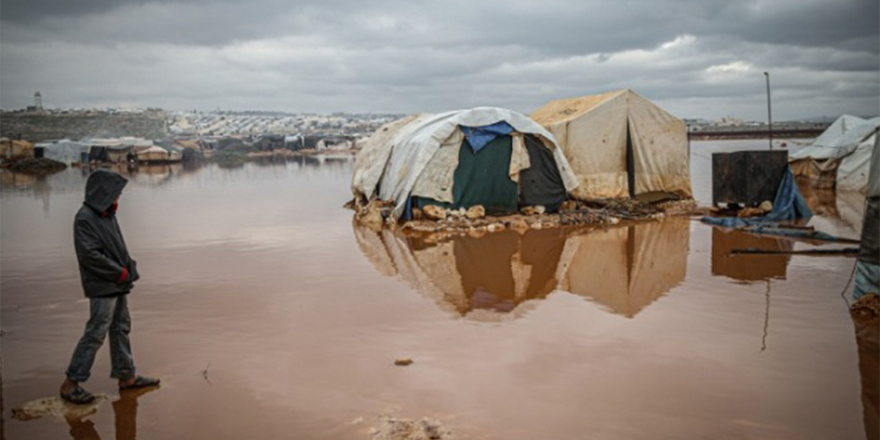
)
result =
(269, 315)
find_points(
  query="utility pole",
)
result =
(769, 114)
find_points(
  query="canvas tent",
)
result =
(17, 148)
(620, 144)
(820, 161)
(489, 156)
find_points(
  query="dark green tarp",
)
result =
(482, 179)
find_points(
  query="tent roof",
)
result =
(568, 109)
(840, 139)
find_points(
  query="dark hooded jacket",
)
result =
(100, 249)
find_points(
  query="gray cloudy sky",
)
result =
(697, 58)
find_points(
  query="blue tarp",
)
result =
(478, 137)
(867, 279)
(788, 205)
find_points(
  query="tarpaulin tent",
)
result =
(620, 144)
(432, 157)
(64, 151)
(153, 154)
(10, 149)
(853, 171)
(867, 275)
(820, 161)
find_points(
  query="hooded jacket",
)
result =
(100, 248)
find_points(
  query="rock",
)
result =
(533, 210)
(536, 225)
(867, 305)
(766, 206)
(54, 406)
(393, 428)
(495, 227)
(520, 226)
(475, 212)
(569, 206)
(403, 362)
(613, 220)
(372, 215)
(434, 212)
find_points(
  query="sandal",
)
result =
(140, 382)
(78, 396)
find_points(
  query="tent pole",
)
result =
(769, 117)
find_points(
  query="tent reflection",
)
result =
(623, 269)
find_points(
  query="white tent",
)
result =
(65, 151)
(153, 154)
(852, 174)
(417, 156)
(618, 139)
(820, 161)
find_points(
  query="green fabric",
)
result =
(482, 179)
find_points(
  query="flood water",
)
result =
(269, 315)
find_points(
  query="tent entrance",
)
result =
(630, 161)
(482, 179)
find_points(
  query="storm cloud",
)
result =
(697, 58)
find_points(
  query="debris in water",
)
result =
(402, 362)
(392, 428)
(54, 406)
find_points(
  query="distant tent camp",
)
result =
(839, 155)
(484, 156)
(620, 144)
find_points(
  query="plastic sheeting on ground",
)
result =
(789, 204)
(478, 137)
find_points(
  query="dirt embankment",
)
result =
(436, 221)
(41, 127)
(29, 165)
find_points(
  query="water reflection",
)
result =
(125, 414)
(748, 268)
(868, 339)
(624, 269)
